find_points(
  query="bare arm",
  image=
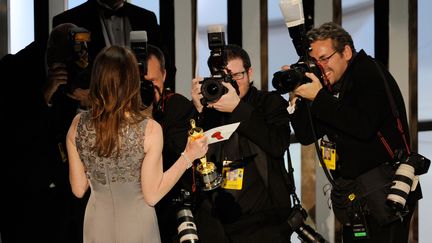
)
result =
(154, 182)
(77, 176)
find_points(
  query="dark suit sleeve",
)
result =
(142, 19)
(58, 19)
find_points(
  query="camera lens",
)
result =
(212, 89)
(305, 233)
(147, 92)
(402, 182)
(286, 81)
(187, 230)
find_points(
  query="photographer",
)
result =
(257, 207)
(352, 114)
(173, 112)
(34, 178)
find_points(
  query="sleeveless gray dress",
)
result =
(116, 210)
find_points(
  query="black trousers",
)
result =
(266, 227)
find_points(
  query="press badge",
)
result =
(232, 178)
(328, 150)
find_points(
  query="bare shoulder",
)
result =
(153, 135)
(153, 127)
(75, 122)
(76, 119)
(73, 128)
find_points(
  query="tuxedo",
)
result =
(86, 16)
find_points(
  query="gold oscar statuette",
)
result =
(208, 175)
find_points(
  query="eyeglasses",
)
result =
(325, 60)
(239, 75)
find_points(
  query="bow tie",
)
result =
(108, 13)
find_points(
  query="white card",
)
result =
(221, 133)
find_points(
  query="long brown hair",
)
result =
(115, 97)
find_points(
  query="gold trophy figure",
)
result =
(209, 176)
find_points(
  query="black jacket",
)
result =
(353, 120)
(86, 16)
(33, 179)
(258, 145)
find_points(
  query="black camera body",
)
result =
(296, 223)
(287, 80)
(420, 163)
(212, 88)
(78, 67)
(138, 44)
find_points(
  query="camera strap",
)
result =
(318, 149)
(292, 188)
(395, 112)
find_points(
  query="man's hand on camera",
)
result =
(196, 93)
(229, 101)
(57, 75)
(309, 90)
